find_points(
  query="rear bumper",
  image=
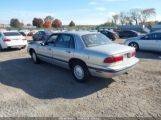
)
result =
(5, 46)
(110, 73)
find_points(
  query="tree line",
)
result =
(47, 22)
(135, 16)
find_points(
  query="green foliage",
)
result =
(109, 24)
(49, 18)
(71, 24)
(57, 23)
(16, 23)
(38, 22)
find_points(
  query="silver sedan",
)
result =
(151, 41)
(85, 54)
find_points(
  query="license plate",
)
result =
(16, 39)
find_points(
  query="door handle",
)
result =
(49, 48)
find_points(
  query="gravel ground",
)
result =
(45, 90)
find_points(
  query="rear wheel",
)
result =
(35, 59)
(80, 71)
(134, 45)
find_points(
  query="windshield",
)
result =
(98, 39)
(12, 34)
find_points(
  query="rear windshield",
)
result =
(12, 34)
(92, 40)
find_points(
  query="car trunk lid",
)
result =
(16, 40)
(120, 54)
(112, 49)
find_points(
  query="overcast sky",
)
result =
(91, 12)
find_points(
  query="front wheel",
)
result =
(35, 59)
(80, 72)
(23, 47)
(134, 45)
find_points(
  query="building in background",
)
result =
(4, 26)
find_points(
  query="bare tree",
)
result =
(129, 20)
(146, 14)
(135, 15)
(115, 18)
(122, 18)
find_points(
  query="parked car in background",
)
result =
(12, 40)
(110, 34)
(128, 34)
(23, 34)
(41, 35)
(85, 53)
(151, 41)
(31, 33)
(138, 28)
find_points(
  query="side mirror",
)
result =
(43, 44)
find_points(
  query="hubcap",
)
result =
(34, 57)
(78, 72)
(134, 45)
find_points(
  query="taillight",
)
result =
(133, 53)
(6, 40)
(113, 59)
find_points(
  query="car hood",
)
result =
(111, 49)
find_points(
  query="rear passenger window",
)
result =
(158, 36)
(65, 41)
(149, 37)
(52, 39)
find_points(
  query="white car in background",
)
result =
(151, 41)
(12, 39)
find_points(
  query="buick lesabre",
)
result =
(85, 54)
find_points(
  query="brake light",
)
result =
(7, 40)
(113, 59)
(133, 53)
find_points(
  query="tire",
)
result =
(80, 72)
(134, 45)
(23, 47)
(34, 57)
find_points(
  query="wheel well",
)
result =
(133, 42)
(71, 61)
(136, 44)
(31, 50)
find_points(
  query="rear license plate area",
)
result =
(127, 55)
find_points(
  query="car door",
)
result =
(158, 42)
(45, 51)
(148, 42)
(63, 50)
(124, 34)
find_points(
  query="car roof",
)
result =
(8, 31)
(128, 31)
(79, 33)
(157, 32)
